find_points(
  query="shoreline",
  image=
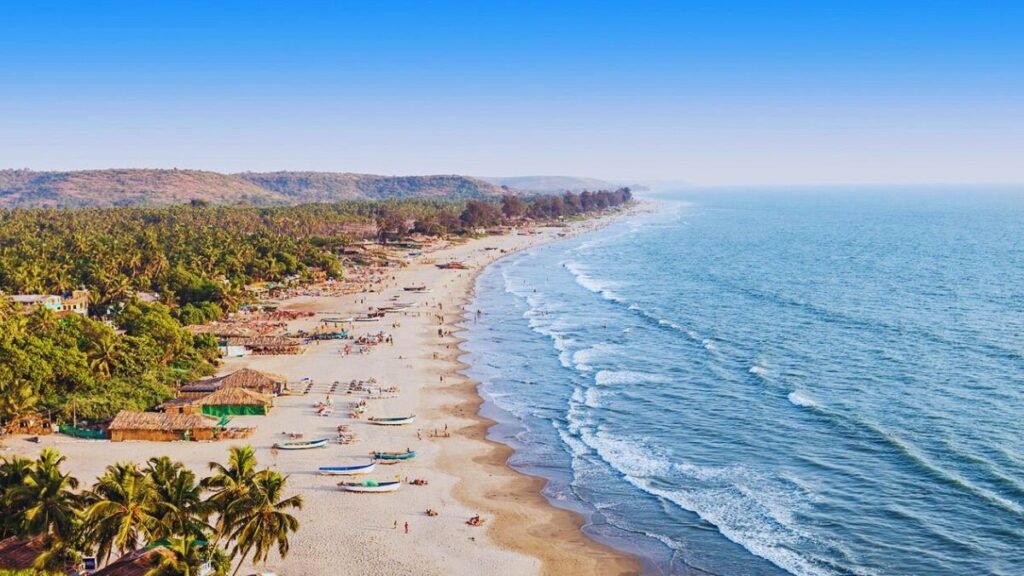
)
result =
(468, 474)
(526, 519)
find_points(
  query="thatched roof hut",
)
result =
(267, 345)
(138, 563)
(18, 554)
(233, 401)
(261, 382)
(157, 427)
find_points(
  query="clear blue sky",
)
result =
(711, 92)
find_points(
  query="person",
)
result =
(406, 527)
(396, 525)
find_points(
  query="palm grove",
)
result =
(197, 258)
(237, 513)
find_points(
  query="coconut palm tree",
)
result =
(261, 520)
(46, 495)
(180, 508)
(122, 510)
(13, 472)
(186, 556)
(230, 483)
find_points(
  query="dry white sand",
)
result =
(343, 533)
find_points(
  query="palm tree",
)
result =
(230, 483)
(104, 353)
(17, 397)
(47, 498)
(122, 508)
(261, 520)
(180, 508)
(185, 557)
(12, 474)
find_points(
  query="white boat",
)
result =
(367, 319)
(301, 445)
(369, 486)
(396, 421)
(352, 470)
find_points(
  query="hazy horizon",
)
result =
(710, 94)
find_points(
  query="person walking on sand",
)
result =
(406, 527)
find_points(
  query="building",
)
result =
(138, 563)
(29, 302)
(76, 302)
(254, 380)
(18, 555)
(222, 402)
(160, 427)
(233, 402)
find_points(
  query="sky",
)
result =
(715, 92)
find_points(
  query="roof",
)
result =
(128, 420)
(206, 386)
(29, 298)
(233, 396)
(18, 554)
(265, 342)
(244, 378)
(137, 563)
(249, 378)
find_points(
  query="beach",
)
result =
(466, 475)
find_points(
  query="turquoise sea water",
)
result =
(771, 382)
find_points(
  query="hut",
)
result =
(266, 345)
(196, 390)
(137, 563)
(18, 554)
(260, 382)
(233, 401)
(157, 427)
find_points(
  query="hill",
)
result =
(303, 187)
(551, 184)
(146, 187)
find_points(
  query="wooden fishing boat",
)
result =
(370, 486)
(352, 470)
(367, 319)
(304, 445)
(422, 288)
(393, 457)
(396, 421)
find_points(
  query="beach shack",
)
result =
(266, 345)
(160, 427)
(260, 382)
(137, 563)
(233, 401)
(18, 554)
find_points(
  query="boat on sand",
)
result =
(395, 421)
(393, 457)
(302, 445)
(351, 470)
(370, 486)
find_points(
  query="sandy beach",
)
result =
(344, 533)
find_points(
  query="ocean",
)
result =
(767, 382)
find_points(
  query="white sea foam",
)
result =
(623, 377)
(583, 358)
(746, 507)
(798, 398)
(759, 370)
(594, 285)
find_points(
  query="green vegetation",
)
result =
(198, 258)
(237, 513)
